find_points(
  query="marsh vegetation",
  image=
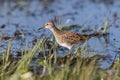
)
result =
(29, 54)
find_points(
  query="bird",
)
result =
(65, 38)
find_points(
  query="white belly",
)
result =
(66, 45)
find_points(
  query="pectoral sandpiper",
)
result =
(67, 39)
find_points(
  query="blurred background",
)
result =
(20, 19)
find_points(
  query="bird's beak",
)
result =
(41, 28)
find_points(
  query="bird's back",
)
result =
(71, 37)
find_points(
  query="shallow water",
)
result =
(22, 19)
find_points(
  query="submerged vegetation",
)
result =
(41, 63)
(51, 67)
(26, 54)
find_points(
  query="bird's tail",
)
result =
(95, 35)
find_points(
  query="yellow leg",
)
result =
(70, 51)
(79, 52)
(70, 54)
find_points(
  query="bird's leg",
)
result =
(79, 52)
(70, 53)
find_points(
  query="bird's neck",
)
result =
(55, 31)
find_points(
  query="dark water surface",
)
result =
(21, 20)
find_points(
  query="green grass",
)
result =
(54, 68)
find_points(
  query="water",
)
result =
(22, 19)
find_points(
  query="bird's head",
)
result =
(48, 25)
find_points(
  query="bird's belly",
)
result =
(65, 45)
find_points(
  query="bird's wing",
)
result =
(71, 37)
